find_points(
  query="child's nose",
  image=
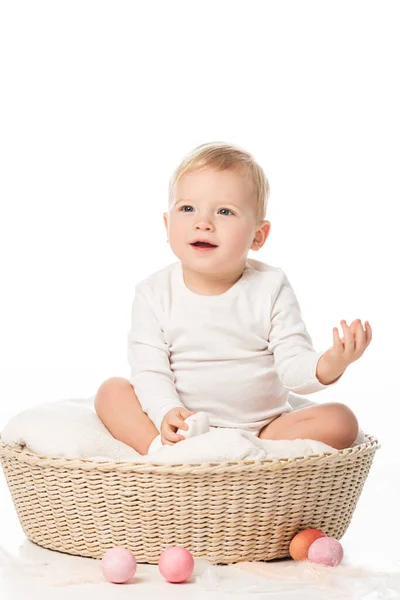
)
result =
(204, 223)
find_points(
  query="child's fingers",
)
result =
(360, 336)
(177, 422)
(368, 332)
(336, 339)
(348, 336)
(184, 414)
(168, 433)
(172, 436)
(165, 442)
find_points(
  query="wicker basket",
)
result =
(224, 512)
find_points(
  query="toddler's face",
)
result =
(218, 206)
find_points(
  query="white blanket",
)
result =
(72, 429)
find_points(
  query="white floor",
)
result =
(369, 571)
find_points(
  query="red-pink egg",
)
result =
(118, 565)
(176, 564)
(298, 548)
(326, 551)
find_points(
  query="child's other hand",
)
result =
(174, 420)
(352, 345)
(344, 351)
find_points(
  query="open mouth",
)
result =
(203, 245)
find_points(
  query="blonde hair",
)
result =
(221, 156)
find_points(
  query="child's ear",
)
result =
(165, 216)
(261, 235)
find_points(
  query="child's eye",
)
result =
(188, 206)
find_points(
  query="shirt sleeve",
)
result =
(148, 357)
(294, 356)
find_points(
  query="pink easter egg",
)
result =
(118, 565)
(176, 564)
(326, 551)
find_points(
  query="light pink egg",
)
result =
(326, 551)
(118, 565)
(176, 564)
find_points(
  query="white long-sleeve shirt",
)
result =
(234, 355)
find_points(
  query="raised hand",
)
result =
(344, 351)
(352, 345)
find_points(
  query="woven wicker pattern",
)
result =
(225, 512)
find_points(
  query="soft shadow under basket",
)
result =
(224, 512)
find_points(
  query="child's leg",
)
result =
(332, 423)
(120, 411)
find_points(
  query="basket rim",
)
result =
(23, 455)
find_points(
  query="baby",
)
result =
(222, 333)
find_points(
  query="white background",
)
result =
(99, 103)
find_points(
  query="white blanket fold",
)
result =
(72, 429)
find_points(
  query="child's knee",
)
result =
(344, 421)
(110, 390)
